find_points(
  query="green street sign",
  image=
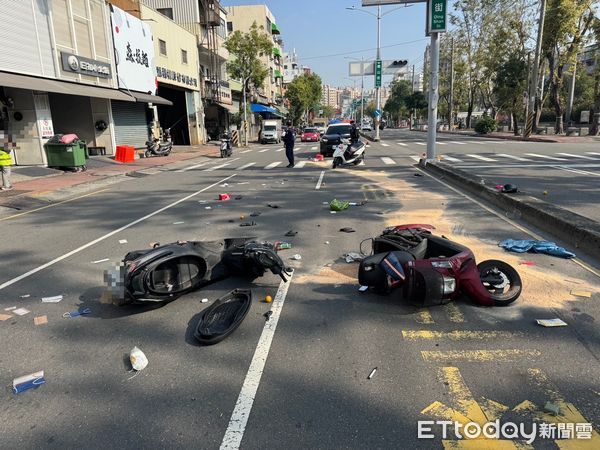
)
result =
(437, 16)
(378, 73)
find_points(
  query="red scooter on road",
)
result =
(434, 270)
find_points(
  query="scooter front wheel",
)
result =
(148, 154)
(336, 162)
(501, 280)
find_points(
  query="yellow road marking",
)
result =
(52, 205)
(568, 414)
(478, 355)
(438, 409)
(462, 395)
(424, 317)
(525, 406)
(492, 409)
(454, 314)
(458, 335)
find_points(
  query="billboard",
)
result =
(134, 52)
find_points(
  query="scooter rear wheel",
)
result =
(148, 154)
(336, 162)
(501, 280)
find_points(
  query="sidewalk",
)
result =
(31, 180)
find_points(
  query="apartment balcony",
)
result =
(212, 44)
(211, 15)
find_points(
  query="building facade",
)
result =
(178, 79)
(241, 18)
(330, 96)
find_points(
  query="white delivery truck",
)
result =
(270, 132)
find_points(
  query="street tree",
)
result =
(510, 83)
(595, 128)
(395, 105)
(304, 94)
(328, 111)
(246, 50)
(565, 30)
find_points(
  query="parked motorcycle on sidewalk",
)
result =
(348, 154)
(226, 147)
(157, 148)
(433, 270)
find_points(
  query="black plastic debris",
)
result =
(347, 230)
(509, 188)
(291, 233)
(248, 224)
(268, 315)
(255, 214)
(238, 197)
(271, 205)
(418, 175)
(223, 317)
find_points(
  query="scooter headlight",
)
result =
(441, 264)
(325, 139)
(449, 285)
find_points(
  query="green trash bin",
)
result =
(70, 156)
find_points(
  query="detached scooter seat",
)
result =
(223, 317)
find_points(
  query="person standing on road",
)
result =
(289, 139)
(5, 163)
(354, 136)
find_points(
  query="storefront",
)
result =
(177, 74)
(60, 79)
(136, 76)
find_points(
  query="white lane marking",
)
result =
(420, 143)
(496, 166)
(301, 164)
(546, 157)
(279, 150)
(451, 159)
(243, 407)
(273, 165)
(592, 153)
(441, 143)
(579, 171)
(577, 156)
(313, 148)
(385, 145)
(245, 166)
(220, 166)
(518, 158)
(264, 150)
(107, 235)
(402, 144)
(387, 160)
(415, 158)
(185, 169)
(246, 151)
(482, 158)
(457, 142)
(506, 219)
(318, 186)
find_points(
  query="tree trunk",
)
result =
(559, 108)
(469, 112)
(595, 128)
(515, 122)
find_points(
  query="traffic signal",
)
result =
(399, 62)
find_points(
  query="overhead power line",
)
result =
(363, 51)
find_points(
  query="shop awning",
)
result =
(274, 29)
(276, 51)
(149, 98)
(231, 108)
(61, 87)
(256, 108)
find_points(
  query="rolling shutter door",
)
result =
(131, 127)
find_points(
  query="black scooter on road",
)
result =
(157, 148)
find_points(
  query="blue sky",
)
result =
(324, 27)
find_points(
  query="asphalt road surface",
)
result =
(566, 174)
(299, 380)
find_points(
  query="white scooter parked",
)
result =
(349, 154)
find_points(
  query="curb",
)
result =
(577, 231)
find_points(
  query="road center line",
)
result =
(106, 236)
(318, 186)
(243, 407)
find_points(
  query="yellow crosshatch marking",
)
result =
(454, 314)
(478, 355)
(466, 409)
(424, 317)
(458, 335)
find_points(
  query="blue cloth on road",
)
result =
(530, 245)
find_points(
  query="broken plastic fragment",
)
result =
(138, 359)
(363, 288)
(4, 317)
(372, 373)
(586, 294)
(100, 261)
(21, 311)
(33, 380)
(551, 322)
(40, 320)
(224, 197)
(204, 300)
(296, 257)
(347, 230)
(178, 223)
(123, 241)
(55, 299)
(353, 256)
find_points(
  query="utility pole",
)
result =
(533, 88)
(571, 93)
(451, 102)
(433, 95)
(245, 113)
(362, 89)
(377, 88)
(527, 100)
(413, 111)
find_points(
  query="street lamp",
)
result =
(378, 57)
